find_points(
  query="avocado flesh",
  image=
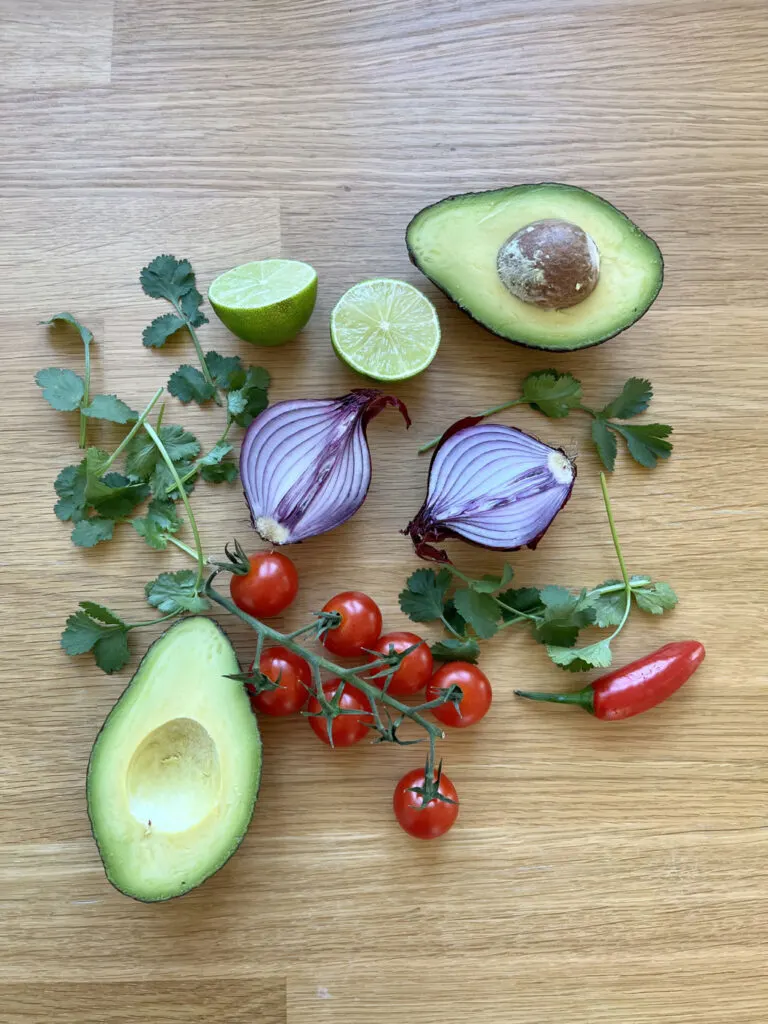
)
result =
(455, 243)
(174, 773)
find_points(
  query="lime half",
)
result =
(385, 329)
(267, 302)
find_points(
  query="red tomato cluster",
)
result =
(268, 588)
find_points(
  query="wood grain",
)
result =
(597, 875)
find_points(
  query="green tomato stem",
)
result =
(185, 499)
(133, 431)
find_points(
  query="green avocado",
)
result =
(549, 266)
(174, 773)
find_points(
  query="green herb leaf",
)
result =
(67, 318)
(635, 398)
(524, 599)
(163, 485)
(552, 393)
(646, 442)
(582, 659)
(98, 611)
(490, 584)
(424, 594)
(81, 633)
(167, 278)
(222, 472)
(479, 610)
(565, 615)
(142, 456)
(70, 487)
(189, 385)
(216, 454)
(605, 442)
(245, 403)
(656, 599)
(228, 372)
(121, 497)
(62, 389)
(89, 532)
(111, 652)
(190, 308)
(175, 592)
(456, 650)
(160, 522)
(111, 408)
(608, 608)
(161, 329)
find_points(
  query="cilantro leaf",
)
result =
(161, 329)
(222, 472)
(190, 308)
(167, 278)
(163, 485)
(228, 372)
(216, 454)
(552, 393)
(89, 532)
(646, 442)
(247, 401)
(455, 621)
(456, 650)
(109, 407)
(121, 498)
(490, 584)
(81, 633)
(97, 629)
(524, 599)
(98, 611)
(142, 456)
(160, 522)
(175, 592)
(479, 610)
(62, 389)
(67, 318)
(608, 608)
(188, 385)
(112, 652)
(605, 442)
(565, 615)
(424, 594)
(70, 487)
(635, 398)
(656, 599)
(582, 659)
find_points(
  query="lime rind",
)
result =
(385, 329)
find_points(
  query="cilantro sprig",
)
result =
(472, 610)
(101, 631)
(556, 395)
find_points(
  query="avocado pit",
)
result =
(549, 263)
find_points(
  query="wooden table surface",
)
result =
(598, 874)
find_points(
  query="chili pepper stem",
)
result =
(581, 698)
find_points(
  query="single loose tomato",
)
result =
(345, 729)
(415, 669)
(268, 587)
(293, 676)
(475, 689)
(425, 821)
(360, 624)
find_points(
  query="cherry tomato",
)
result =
(476, 694)
(415, 669)
(269, 586)
(294, 677)
(345, 729)
(424, 821)
(360, 624)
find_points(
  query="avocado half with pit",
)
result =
(174, 773)
(549, 266)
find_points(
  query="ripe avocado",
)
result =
(174, 773)
(549, 266)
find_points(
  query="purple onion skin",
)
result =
(425, 532)
(359, 406)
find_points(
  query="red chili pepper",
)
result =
(635, 688)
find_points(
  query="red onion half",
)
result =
(305, 464)
(491, 485)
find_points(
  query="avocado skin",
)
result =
(515, 341)
(238, 839)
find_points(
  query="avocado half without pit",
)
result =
(548, 266)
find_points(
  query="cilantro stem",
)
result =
(133, 431)
(86, 393)
(185, 499)
(150, 622)
(450, 628)
(199, 349)
(227, 429)
(182, 546)
(619, 555)
(481, 416)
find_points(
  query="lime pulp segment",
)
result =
(385, 329)
(261, 284)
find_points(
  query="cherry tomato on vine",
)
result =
(415, 669)
(360, 624)
(476, 694)
(269, 586)
(424, 821)
(294, 677)
(344, 729)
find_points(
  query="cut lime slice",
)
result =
(267, 302)
(385, 329)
